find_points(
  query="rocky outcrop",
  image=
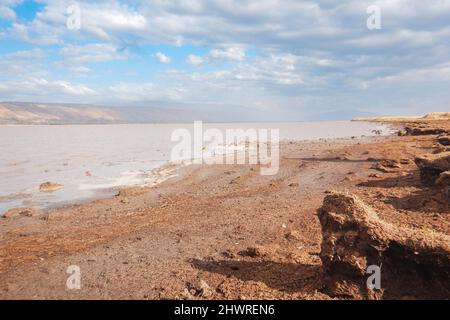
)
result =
(424, 130)
(21, 212)
(414, 264)
(444, 140)
(444, 179)
(431, 166)
(444, 182)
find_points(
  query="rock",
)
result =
(228, 254)
(24, 212)
(50, 187)
(88, 174)
(444, 182)
(125, 200)
(377, 132)
(294, 184)
(200, 288)
(186, 295)
(444, 179)
(205, 290)
(431, 166)
(293, 236)
(419, 131)
(257, 251)
(413, 262)
(379, 167)
(383, 165)
(444, 140)
(390, 163)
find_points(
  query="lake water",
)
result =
(94, 160)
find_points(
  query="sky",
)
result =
(289, 59)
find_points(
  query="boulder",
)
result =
(21, 212)
(432, 165)
(414, 263)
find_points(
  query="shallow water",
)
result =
(94, 160)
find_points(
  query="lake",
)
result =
(94, 160)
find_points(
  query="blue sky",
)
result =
(285, 58)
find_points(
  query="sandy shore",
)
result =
(219, 232)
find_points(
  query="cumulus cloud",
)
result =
(277, 69)
(7, 13)
(40, 87)
(162, 58)
(14, 64)
(37, 33)
(195, 60)
(97, 52)
(217, 55)
(234, 54)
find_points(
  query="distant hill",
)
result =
(62, 113)
(53, 113)
(434, 116)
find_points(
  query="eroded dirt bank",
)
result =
(220, 232)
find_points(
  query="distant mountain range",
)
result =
(60, 113)
(54, 113)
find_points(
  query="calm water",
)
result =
(94, 160)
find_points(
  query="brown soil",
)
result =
(219, 232)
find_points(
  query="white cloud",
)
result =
(7, 13)
(37, 33)
(195, 60)
(14, 64)
(236, 54)
(217, 55)
(39, 87)
(99, 19)
(162, 58)
(98, 52)
(136, 92)
(277, 69)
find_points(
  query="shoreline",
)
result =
(247, 236)
(88, 190)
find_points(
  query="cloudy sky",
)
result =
(288, 58)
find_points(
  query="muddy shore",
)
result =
(222, 232)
